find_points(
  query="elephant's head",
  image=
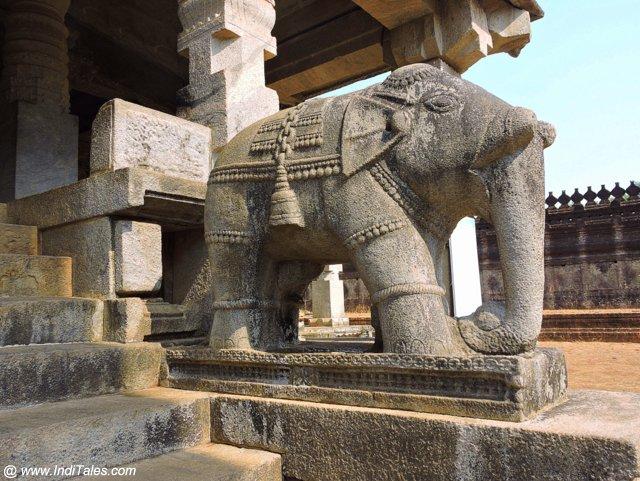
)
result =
(465, 152)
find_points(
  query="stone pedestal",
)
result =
(594, 435)
(510, 388)
(327, 298)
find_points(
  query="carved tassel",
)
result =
(285, 209)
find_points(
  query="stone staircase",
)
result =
(67, 398)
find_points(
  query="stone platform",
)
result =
(510, 388)
(593, 436)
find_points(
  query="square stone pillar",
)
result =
(39, 145)
(227, 42)
(327, 298)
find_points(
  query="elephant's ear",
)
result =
(371, 127)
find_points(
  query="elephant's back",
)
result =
(309, 135)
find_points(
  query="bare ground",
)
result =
(610, 366)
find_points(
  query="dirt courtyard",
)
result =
(609, 366)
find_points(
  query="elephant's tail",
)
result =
(485, 332)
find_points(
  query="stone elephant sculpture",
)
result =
(379, 178)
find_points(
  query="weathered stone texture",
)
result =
(18, 239)
(104, 431)
(227, 43)
(213, 462)
(89, 245)
(129, 135)
(594, 435)
(50, 320)
(130, 192)
(42, 373)
(498, 387)
(138, 257)
(39, 147)
(345, 179)
(126, 320)
(25, 275)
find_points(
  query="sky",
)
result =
(581, 72)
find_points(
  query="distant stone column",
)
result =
(227, 42)
(327, 298)
(39, 145)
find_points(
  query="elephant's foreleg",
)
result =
(244, 303)
(398, 271)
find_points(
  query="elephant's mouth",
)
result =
(507, 134)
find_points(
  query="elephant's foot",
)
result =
(417, 324)
(245, 324)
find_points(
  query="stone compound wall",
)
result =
(592, 251)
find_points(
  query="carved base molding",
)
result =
(510, 388)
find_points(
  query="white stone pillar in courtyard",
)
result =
(327, 298)
(227, 43)
(39, 142)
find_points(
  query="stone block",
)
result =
(168, 319)
(103, 431)
(138, 257)
(129, 135)
(25, 275)
(510, 388)
(132, 192)
(213, 462)
(18, 239)
(50, 320)
(89, 244)
(594, 435)
(52, 372)
(40, 150)
(126, 320)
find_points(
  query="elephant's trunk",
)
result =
(516, 189)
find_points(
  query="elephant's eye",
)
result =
(442, 103)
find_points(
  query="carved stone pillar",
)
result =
(40, 139)
(227, 42)
(327, 298)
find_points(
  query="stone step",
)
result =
(103, 431)
(168, 319)
(4, 215)
(18, 239)
(211, 462)
(51, 372)
(27, 275)
(41, 320)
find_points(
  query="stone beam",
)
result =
(392, 13)
(227, 42)
(39, 149)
